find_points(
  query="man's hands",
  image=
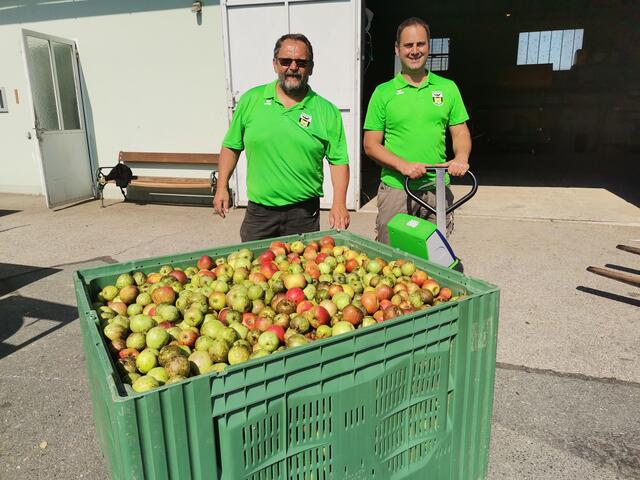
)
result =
(456, 167)
(226, 164)
(413, 170)
(339, 217)
(221, 201)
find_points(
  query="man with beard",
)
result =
(287, 130)
(405, 129)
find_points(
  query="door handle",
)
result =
(39, 132)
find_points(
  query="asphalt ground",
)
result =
(567, 393)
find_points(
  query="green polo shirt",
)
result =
(414, 121)
(285, 147)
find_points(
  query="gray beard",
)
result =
(300, 89)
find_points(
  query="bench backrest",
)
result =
(176, 158)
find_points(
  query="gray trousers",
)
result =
(392, 201)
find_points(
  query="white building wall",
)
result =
(154, 81)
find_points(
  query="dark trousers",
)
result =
(261, 221)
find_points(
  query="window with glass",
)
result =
(438, 60)
(557, 47)
(53, 80)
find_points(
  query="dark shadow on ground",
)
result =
(4, 213)
(14, 276)
(609, 296)
(17, 309)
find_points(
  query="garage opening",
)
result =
(552, 88)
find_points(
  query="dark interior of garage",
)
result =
(552, 87)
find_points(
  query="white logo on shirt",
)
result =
(399, 91)
(268, 101)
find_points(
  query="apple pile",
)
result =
(165, 326)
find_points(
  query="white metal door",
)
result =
(251, 28)
(59, 121)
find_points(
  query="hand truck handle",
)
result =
(452, 207)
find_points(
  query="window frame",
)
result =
(529, 50)
(442, 57)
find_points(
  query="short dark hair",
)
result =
(293, 36)
(410, 22)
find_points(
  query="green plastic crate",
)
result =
(409, 398)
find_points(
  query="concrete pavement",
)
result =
(567, 399)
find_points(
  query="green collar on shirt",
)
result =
(270, 92)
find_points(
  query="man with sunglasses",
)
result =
(405, 130)
(287, 130)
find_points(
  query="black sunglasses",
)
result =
(300, 62)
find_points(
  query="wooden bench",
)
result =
(136, 158)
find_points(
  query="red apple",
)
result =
(165, 325)
(205, 262)
(293, 257)
(419, 277)
(384, 292)
(266, 256)
(431, 285)
(445, 294)
(163, 294)
(370, 302)
(311, 269)
(352, 314)
(321, 256)
(294, 294)
(320, 316)
(385, 303)
(249, 320)
(179, 275)
(303, 306)
(207, 273)
(351, 264)
(263, 323)
(278, 247)
(222, 315)
(257, 277)
(327, 240)
(268, 269)
(278, 330)
(310, 253)
(188, 338)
